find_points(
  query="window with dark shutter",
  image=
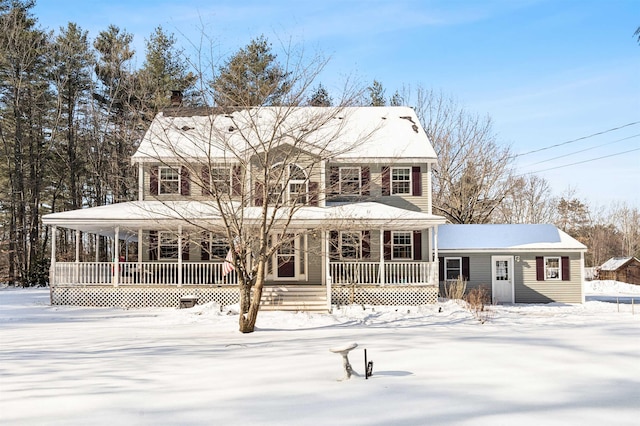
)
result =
(334, 180)
(236, 181)
(441, 276)
(258, 196)
(366, 244)
(539, 268)
(417, 245)
(185, 182)
(185, 248)
(333, 245)
(386, 181)
(416, 181)
(313, 194)
(205, 247)
(387, 245)
(153, 180)
(153, 245)
(465, 269)
(566, 267)
(206, 181)
(366, 181)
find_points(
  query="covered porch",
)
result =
(161, 282)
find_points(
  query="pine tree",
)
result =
(376, 94)
(164, 70)
(251, 77)
(320, 97)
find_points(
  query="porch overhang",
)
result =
(132, 216)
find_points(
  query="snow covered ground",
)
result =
(552, 364)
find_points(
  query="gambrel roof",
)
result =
(343, 134)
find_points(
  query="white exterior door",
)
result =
(502, 279)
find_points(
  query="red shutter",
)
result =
(334, 180)
(416, 181)
(465, 268)
(565, 268)
(333, 245)
(153, 180)
(387, 245)
(258, 199)
(417, 245)
(185, 183)
(185, 248)
(386, 181)
(366, 244)
(205, 247)
(236, 181)
(366, 180)
(441, 276)
(206, 181)
(539, 268)
(313, 194)
(153, 245)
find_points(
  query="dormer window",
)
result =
(168, 180)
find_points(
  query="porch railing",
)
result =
(389, 273)
(149, 273)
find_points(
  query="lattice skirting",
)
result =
(384, 295)
(140, 297)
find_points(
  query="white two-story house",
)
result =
(346, 193)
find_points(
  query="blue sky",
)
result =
(546, 71)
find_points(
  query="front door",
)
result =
(286, 259)
(502, 279)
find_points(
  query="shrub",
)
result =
(477, 300)
(455, 289)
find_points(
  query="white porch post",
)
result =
(139, 273)
(52, 268)
(77, 265)
(180, 256)
(140, 182)
(382, 274)
(323, 184)
(326, 275)
(116, 257)
(96, 239)
(434, 273)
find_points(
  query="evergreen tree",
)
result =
(164, 71)
(25, 103)
(320, 97)
(396, 99)
(71, 70)
(376, 94)
(251, 77)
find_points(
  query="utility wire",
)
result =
(580, 162)
(583, 150)
(576, 140)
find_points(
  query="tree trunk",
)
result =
(248, 318)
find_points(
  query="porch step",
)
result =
(309, 298)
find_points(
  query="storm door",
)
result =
(502, 279)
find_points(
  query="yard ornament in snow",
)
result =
(344, 351)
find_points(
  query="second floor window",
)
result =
(400, 180)
(169, 180)
(350, 181)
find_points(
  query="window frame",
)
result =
(222, 246)
(341, 180)
(446, 268)
(225, 187)
(168, 240)
(357, 246)
(393, 181)
(409, 246)
(548, 269)
(162, 181)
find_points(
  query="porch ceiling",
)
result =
(134, 215)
